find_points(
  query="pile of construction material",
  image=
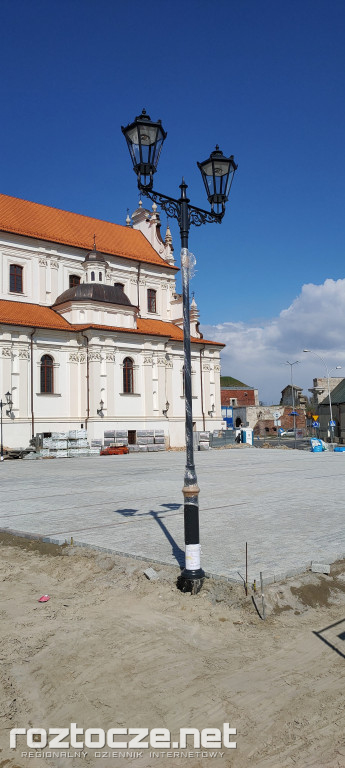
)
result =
(150, 440)
(204, 441)
(115, 437)
(62, 445)
(147, 440)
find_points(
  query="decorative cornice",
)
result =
(6, 352)
(24, 354)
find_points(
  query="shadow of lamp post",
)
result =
(145, 140)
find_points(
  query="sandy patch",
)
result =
(112, 649)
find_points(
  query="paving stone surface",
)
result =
(287, 504)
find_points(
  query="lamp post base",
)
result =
(191, 581)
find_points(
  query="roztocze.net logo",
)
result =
(114, 738)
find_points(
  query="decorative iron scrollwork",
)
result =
(198, 216)
(172, 208)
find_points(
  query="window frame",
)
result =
(128, 376)
(47, 375)
(152, 301)
(73, 280)
(16, 276)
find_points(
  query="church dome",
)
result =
(109, 294)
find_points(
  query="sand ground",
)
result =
(112, 649)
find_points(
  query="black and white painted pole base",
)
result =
(192, 577)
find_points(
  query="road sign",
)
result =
(315, 418)
(332, 424)
(316, 424)
(277, 414)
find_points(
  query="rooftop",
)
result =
(34, 316)
(42, 222)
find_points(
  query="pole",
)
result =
(293, 409)
(328, 372)
(1, 440)
(293, 400)
(192, 576)
(330, 408)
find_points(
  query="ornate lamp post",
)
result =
(328, 372)
(9, 403)
(145, 140)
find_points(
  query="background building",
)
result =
(91, 327)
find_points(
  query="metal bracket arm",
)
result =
(172, 208)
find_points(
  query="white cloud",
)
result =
(256, 353)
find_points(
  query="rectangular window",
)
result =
(74, 280)
(151, 300)
(16, 278)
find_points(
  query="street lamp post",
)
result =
(293, 398)
(145, 140)
(328, 372)
(9, 403)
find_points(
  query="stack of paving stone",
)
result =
(77, 443)
(147, 439)
(115, 437)
(150, 440)
(204, 441)
(63, 444)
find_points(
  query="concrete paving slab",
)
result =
(288, 506)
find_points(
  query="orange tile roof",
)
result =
(35, 316)
(31, 315)
(148, 327)
(45, 223)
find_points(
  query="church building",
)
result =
(91, 328)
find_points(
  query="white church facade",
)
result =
(91, 328)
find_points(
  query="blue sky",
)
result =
(263, 79)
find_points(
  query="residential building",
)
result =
(292, 395)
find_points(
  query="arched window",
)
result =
(74, 280)
(16, 278)
(151, 300)
(92, 276)
(100, 276)
(47, 374)
(128, 387)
